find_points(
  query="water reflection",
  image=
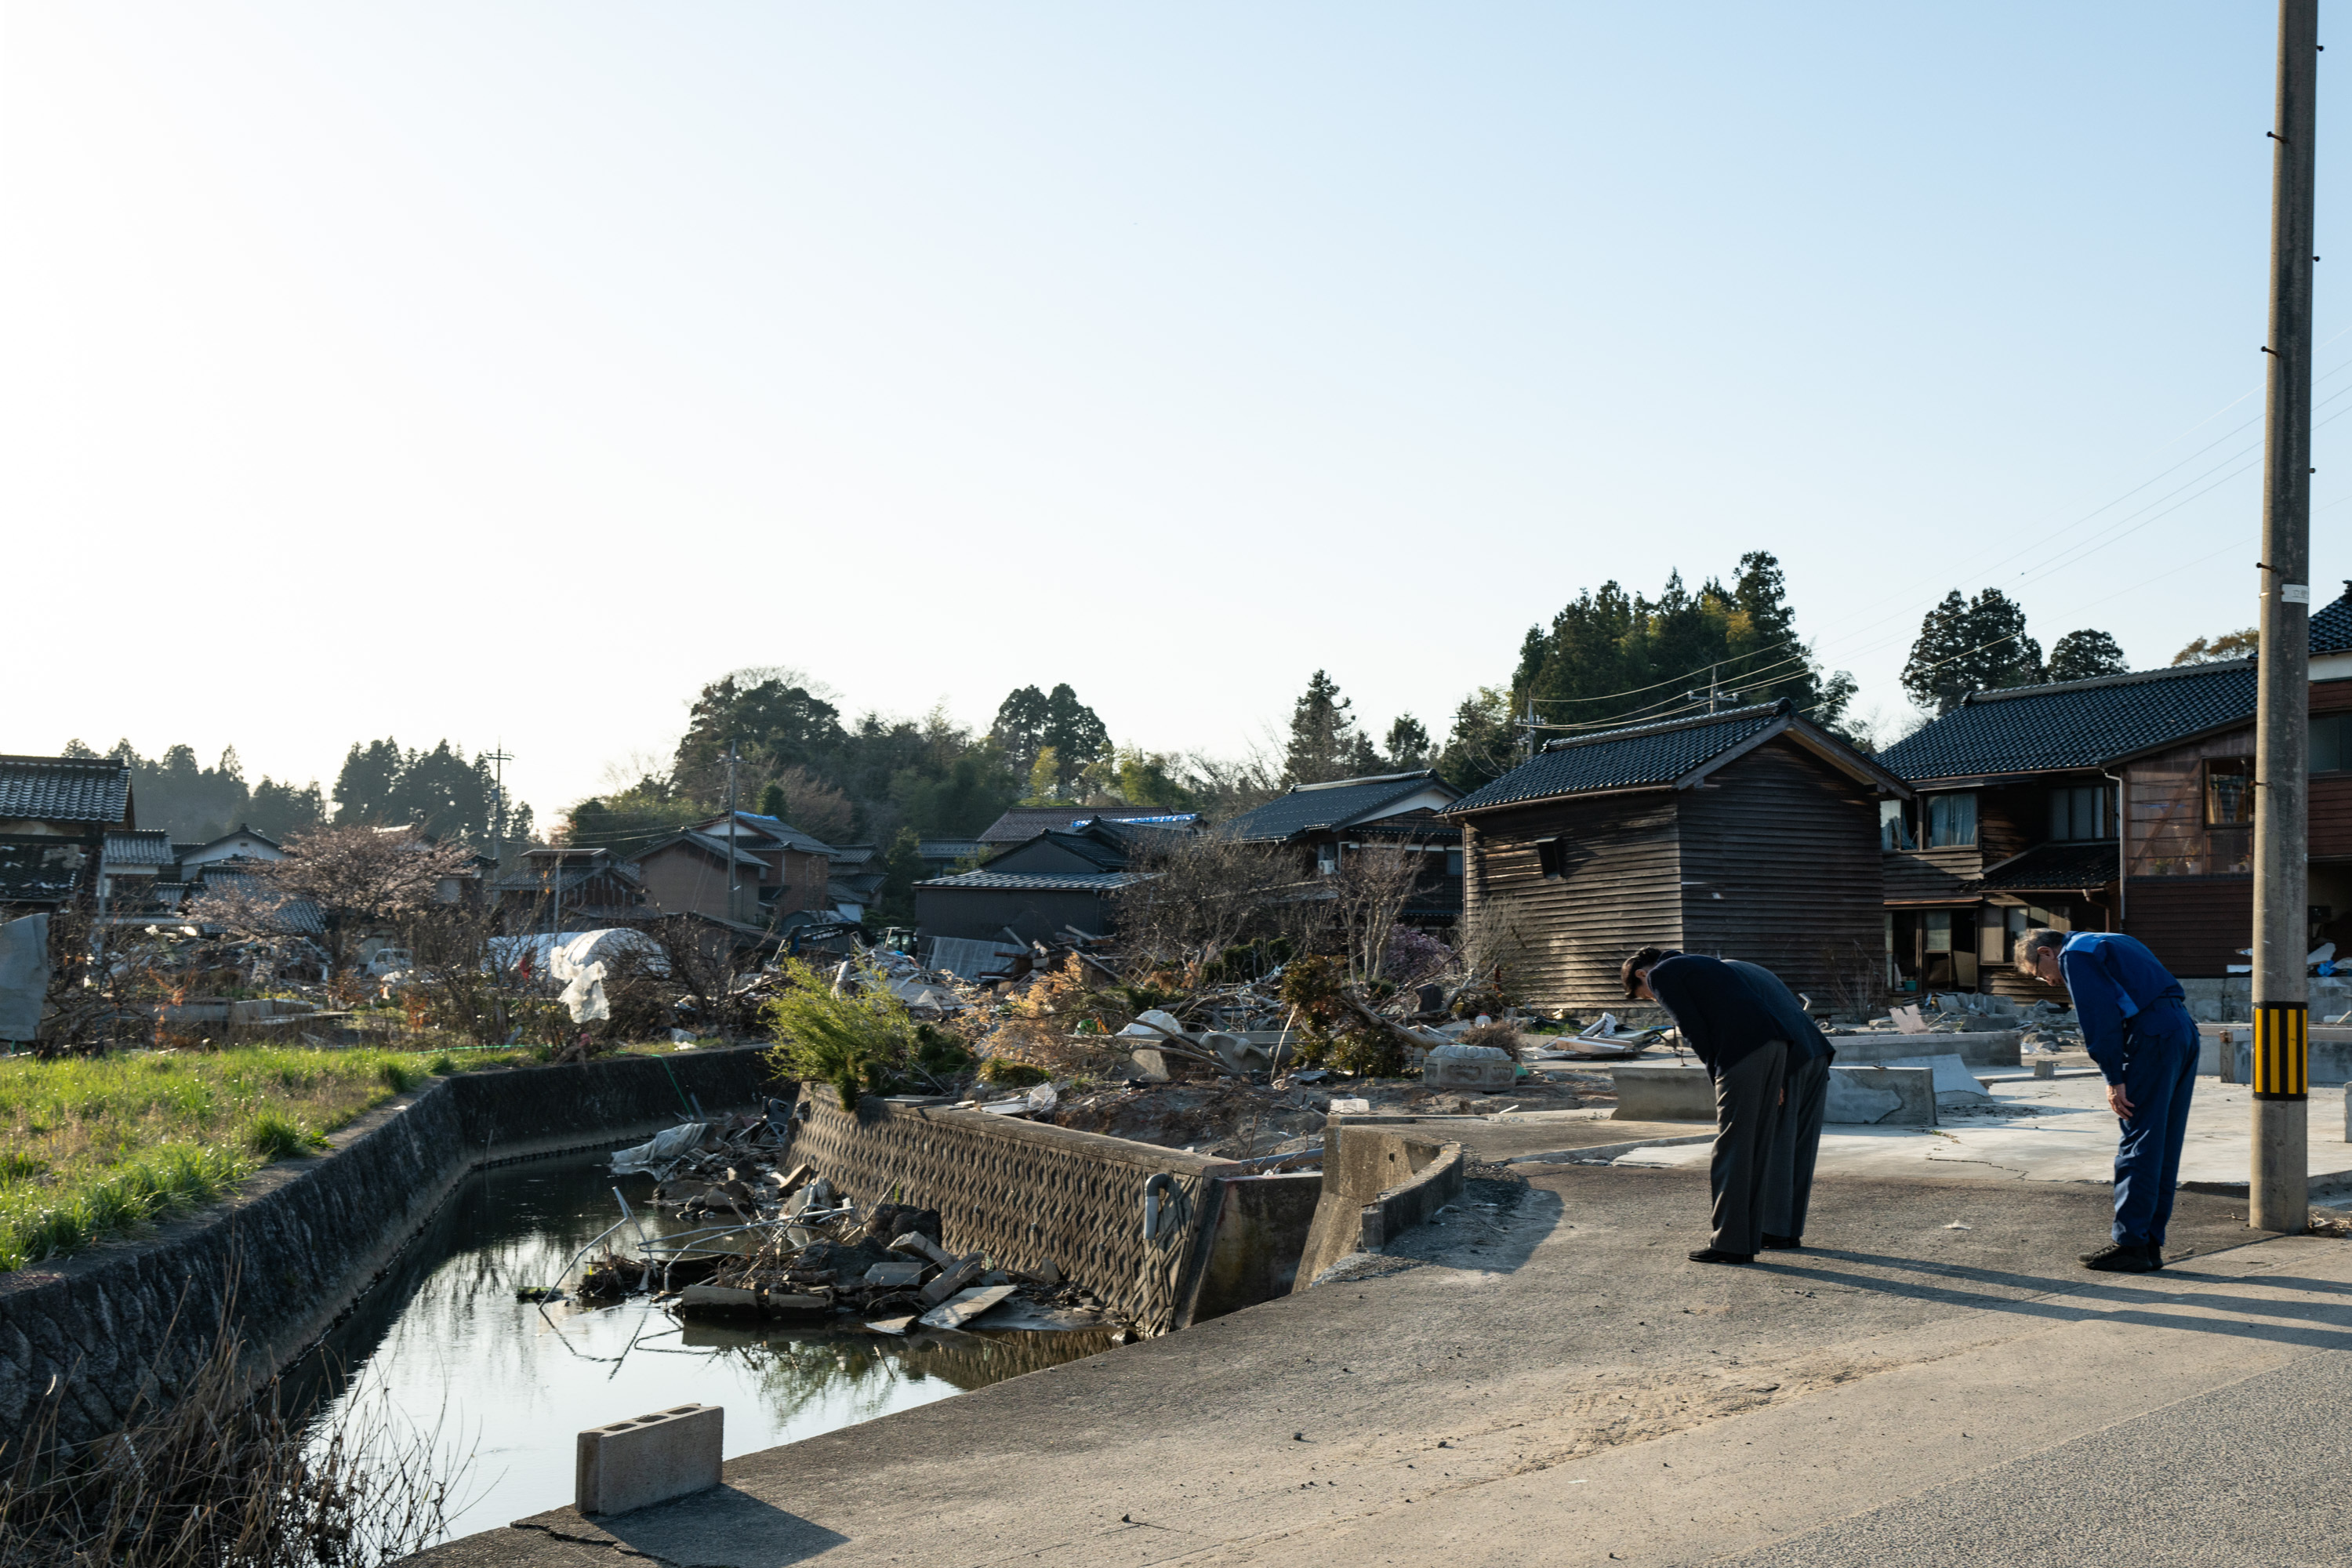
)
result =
(445, 1339)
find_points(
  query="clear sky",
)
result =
(506, 371)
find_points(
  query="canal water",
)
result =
(511, 1383)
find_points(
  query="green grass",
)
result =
(94, 1149)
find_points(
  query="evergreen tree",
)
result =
(1610, 657)
(2080, 656)
(1073, 731)
(1975, 644)
(902, 868)
(1325, 741)
(775, 720)
(1482, 746)
(1408, 744)
(1020, 726)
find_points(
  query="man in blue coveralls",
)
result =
(2137, 1029)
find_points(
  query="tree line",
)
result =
(440, 791)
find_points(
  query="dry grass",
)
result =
(99, 1147)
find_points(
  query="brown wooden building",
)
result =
(2016, 821)
(1747, 834)
(1323, 823)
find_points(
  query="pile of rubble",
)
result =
(787, 1244)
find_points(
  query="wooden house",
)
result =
(796, 867)
(1745, 834)
(54, 816)
(1055, 881)
(568, 888)
(1323, 823)
(2125, 803)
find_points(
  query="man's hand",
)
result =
(2118, 1103)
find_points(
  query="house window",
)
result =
(1326, 859)
(1894, 826)
(1951, 820)
(1937, 923)
(1454, 862)
(2331, 744)
(1552, 855)
(2080, 814)
(2230, 792)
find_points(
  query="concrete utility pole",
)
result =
(2280, 1185)
(730, 830)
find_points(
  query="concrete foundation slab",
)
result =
(1866, 1095)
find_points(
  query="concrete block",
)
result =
(922, 1246)
(1860, 1094)
(894, 1276)
(634, 1464)
(1955, 1085)
(1981, 1048)
(953, 1279)
(1469, 1072)
(717, 1298)
(1660, 1093)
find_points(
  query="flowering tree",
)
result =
(353, 878)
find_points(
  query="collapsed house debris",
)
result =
(783, 1244)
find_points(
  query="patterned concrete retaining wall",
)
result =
(1028, 1193)
(303, 1239)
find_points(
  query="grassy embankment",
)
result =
(96, 1148)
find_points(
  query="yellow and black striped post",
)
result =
(2282, 1050)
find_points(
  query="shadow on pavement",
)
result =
(2034, 1303)
(722, 1528)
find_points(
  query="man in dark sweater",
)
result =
(1797, 1132)
(1746, 1051)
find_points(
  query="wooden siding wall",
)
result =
(1622, 891)
(1791, 846)
(2011, 820)
(2331, 793)
(2194, 925)
(1915, 874)
(2165, 816)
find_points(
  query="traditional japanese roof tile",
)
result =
(65, 789)
(1043, 882)
(2075, 724)
(1644, 756)
(2054, 868)
(754, 826)
(1342, 803)
(144, 846)
(2331, 624)
(1023, 823)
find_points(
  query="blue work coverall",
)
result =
(2137, 1029)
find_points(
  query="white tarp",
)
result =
(664, 1148)
(583, 978)
(538, 950)
(24, 975)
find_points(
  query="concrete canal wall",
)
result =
(302, 1239)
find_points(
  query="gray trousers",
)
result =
(1746, 1110)
(1796, 1142)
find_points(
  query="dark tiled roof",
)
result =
(65, 789)
(2054, 866)
(150, 847)
(755, 827)
(1413, 827)
(1645, 756)
(2075, 723)
(2331, 624)
(1007, 882)
(1023, 823)
(1310, 808)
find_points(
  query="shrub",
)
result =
(274, 1135)
(1003, 1072)
(399, 1076)
(858, 1041)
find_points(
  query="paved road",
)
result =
(1551, 1382)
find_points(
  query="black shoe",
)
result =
(2155, 1257)
(1782, 1243)
(1714, 1255)
(2118, 1258)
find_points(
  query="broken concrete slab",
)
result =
(718, 1298)
(956, 1278)
(967, 1305)
(894, 1276)
(916, 1242)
